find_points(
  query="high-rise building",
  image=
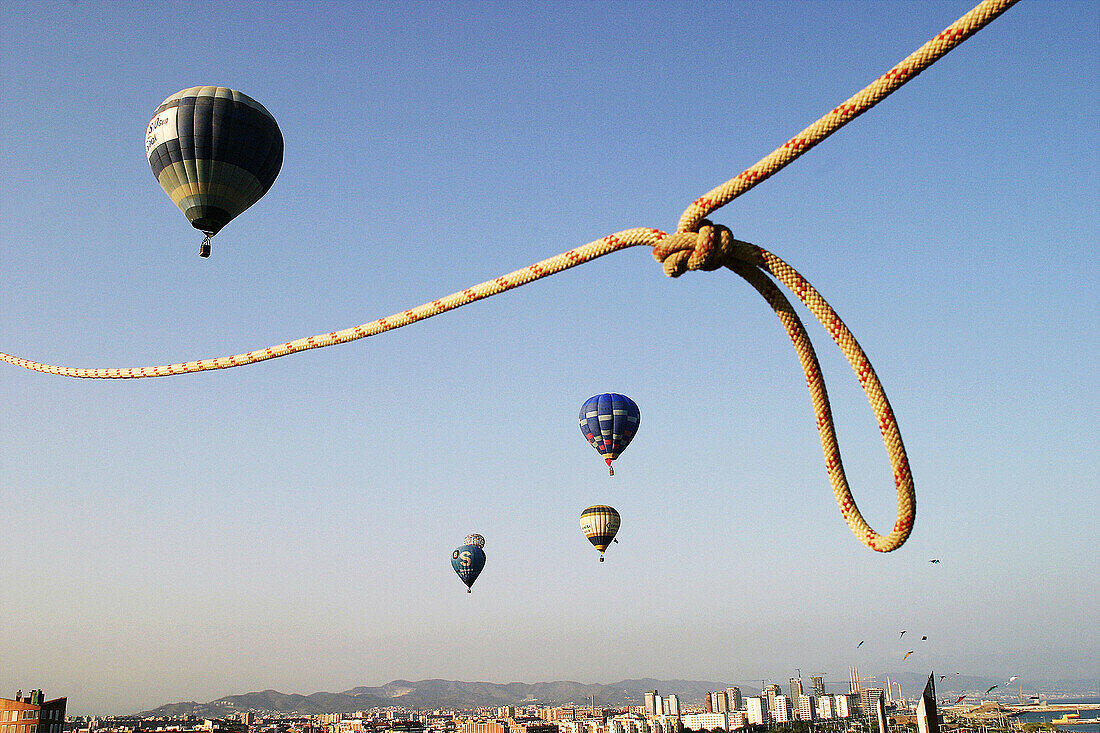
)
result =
(771, 692)
(756, 708)
(928, 718)
(806, 708)
(651, 702)
(796, 688)
(824, 707)
(32, 713)
(845, 706)
(658, 705)
(880, 714)
(869, 698)
(733, 695)
(709, 703)
(673, 705)
(818, 686)
(782, 712)
(721, 701)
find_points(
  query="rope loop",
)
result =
(708, 248)
(712, 247)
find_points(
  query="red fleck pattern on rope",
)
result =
(868, 97)
(697, 245)
(572, 258)
(713, 247)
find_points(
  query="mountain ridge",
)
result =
(431, 694)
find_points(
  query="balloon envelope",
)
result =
(600, 524)
(468, 561)
(609, 422)
(215, 152)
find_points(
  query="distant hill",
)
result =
(432, 694)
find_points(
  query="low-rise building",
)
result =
(705, 721)
(32, 713)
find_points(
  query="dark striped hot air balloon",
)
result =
(215, 152)
(609, 422)
(600, 523)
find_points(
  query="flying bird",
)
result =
(934, 561)
(959, 700)
(924, 638)
(902, 634)
(1011, 680)
(907, 655)
(860, 644)
(991, 689)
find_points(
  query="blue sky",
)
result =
(289, 524)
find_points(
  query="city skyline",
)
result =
(290, 524)
(687, 696)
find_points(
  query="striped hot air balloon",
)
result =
(609, 422)
(215, 152)
(600, 523)
(474, 539)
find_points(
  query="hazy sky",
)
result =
(289, 524)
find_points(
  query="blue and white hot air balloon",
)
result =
(609, 422)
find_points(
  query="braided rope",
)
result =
(697, 245)
(966, 26)
(912, 65)
(872, 388)
(564, 261)
(895, 450)
(713, 247)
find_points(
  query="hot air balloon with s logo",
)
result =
(469, 559)
(609, 422)
(215, 152)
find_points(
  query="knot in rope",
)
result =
(708, 248)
